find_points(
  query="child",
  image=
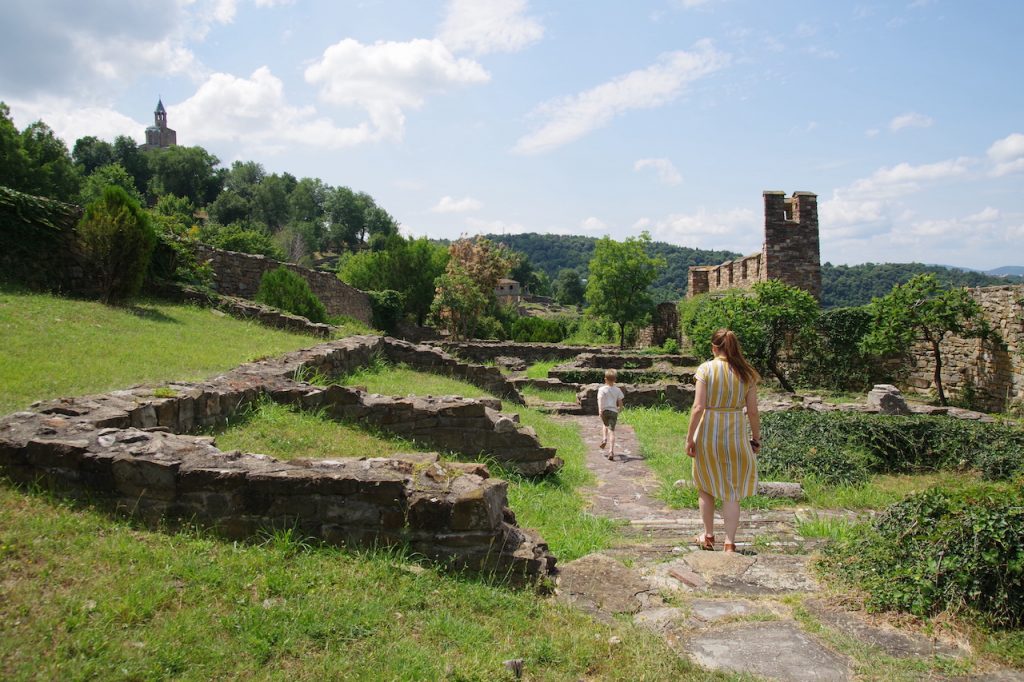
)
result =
(609, 402)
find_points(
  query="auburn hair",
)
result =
(725, 340)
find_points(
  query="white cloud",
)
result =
(739, 227)
(1007, 154)
(692, 4)
(910, 120)
(386, 78)
(871, 132)
(449, 205)
(484, 26)
(570, 118)
(822, 52)
(495, 226)
(254, 111)
(985, 215)
(71, 121)
(868, 206)
(667, 172)
(593, 224)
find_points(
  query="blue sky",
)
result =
(575, 117)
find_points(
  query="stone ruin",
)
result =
(791, 251)
(137, 448)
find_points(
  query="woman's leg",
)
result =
(731, 514)
(707, 512)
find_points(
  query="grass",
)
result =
(828, 527)
(539, 370)
(287, 433)
(87, 596)
(565, 395)
(55, 346)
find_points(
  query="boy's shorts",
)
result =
(609, 417)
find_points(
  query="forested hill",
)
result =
(849, 285)
(553, 253)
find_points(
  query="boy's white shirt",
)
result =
(608, 398)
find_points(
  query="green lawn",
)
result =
(55, 346)
(565, 395)
(539, 370)
(85, 596)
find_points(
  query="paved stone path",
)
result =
(739, 612)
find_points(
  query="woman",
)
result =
(724, 464)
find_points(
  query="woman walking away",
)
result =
(724, 464)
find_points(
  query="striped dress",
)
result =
(725, 465)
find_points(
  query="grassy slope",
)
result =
(61, 347)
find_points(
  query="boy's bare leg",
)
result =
(611, 442)
(604, 435)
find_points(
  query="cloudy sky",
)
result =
(574, 116)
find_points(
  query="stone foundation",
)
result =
(133, 446)
(488, 351)
(677, 396)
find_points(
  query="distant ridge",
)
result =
(1007, 271)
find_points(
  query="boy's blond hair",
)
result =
(610, 374)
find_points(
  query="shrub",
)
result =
(844, 448)
(174, 260)
(538, 329)
(941, 550)
(236, 238)
(388, 306)
(117, 240)
(831, 356)
(286, 290)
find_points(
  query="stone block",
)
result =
(136, 477)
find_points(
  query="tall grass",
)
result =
(539, 370)
(54, 346)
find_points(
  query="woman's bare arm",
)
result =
(700, 399)
(754, 417)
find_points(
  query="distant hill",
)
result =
(849, 285)
(553, 253)
(842, 285)
(1007, 270)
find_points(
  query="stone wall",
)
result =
(664, 326)
(487, 351)
(239, 274)
(677, 396)
(992, 371)
(37, 243)
(791, 251)
(134, 447)
(245, 309)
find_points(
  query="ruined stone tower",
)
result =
(791, 251)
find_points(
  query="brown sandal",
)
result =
(729, 547)
(705, 542)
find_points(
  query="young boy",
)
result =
(609, 402)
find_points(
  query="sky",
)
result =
(592, 117)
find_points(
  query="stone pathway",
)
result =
(741, 613)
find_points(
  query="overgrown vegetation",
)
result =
(284, 289)
(839, 448)
(942, 550)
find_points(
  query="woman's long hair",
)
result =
(729, 346)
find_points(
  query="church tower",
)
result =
(158, 135)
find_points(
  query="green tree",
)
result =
(923, 311)
(185, 172)
(459, 304)
(117, 239)
(103, 177)
(569, 288)
(51, 172)
(621, 274)
(409, 266)
(765, 320)
(13, 161)
(90, 153)
(134, 160)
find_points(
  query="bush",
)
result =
(117, 240)
(538, 329)
(831, 357)
(174, 260)
(236, 238)
(286, 290)
(388, 306)
(845, 448)
(941, 550)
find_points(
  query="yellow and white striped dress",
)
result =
(725, 465)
